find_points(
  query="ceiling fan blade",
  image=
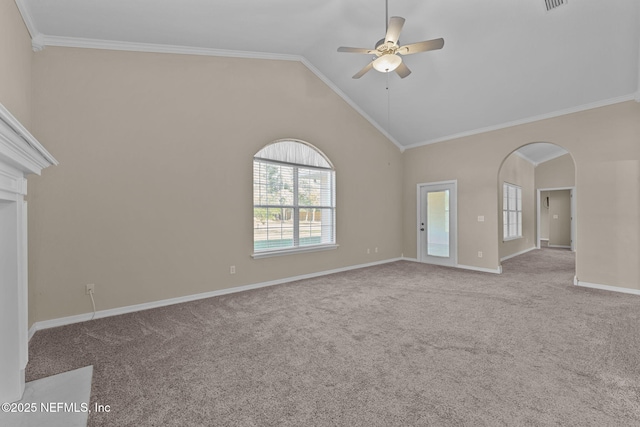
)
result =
(356, 50)
(363, 71)
(403, 71)
(412, 48)
(393, 31)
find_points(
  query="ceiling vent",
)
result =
(552, 4)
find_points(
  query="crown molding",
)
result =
(349, 101)
(525, 158)
(550, 157)
(544, 159)
(38, 42)
(577, 109)
(36, 37)
(159, 48)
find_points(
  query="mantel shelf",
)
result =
(19, 148)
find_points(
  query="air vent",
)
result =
(552, 4)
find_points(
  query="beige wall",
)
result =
(557, 173)
(604, 143)
(15, 63)
(560, 218)
(518, 171)
(153, 195)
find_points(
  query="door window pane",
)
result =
(438, 223)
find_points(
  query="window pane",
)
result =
(316, 226)
(272, 184)
(272, 228)
(519, 223)
(505, 224)
(309, 227)
(512, 198)
(279, 184)
(294, 152)
(513, 225)
(505, 197)
(315, 187)
(326, 218)
(259, 183)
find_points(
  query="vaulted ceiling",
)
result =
(503, 62)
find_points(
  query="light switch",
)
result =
(555, 216)
(480, 218)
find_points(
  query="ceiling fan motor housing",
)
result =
(386, 47)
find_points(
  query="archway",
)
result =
(536, 203)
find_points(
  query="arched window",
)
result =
(294, 202)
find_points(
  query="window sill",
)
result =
(508, 239)
(291, 251)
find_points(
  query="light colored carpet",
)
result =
(399, 344)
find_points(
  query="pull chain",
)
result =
(388, 106)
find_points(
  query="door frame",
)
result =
(452, 261)
(572, 193)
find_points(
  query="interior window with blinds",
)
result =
(293, 198)
(511, 211)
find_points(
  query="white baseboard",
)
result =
(560, 246)
(464, 267)
(482, 269)
(517, 253)
(605, 287)
(62, 321)
(32, 330)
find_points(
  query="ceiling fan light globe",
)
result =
(387, 63)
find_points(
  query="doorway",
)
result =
(437, 223)
(540, 168)
(556, 214)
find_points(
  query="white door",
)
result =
(437, 223)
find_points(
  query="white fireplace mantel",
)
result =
(20, 155)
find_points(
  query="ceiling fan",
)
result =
(387, 51)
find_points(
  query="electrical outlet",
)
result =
(479, 254)
(480, 218)
(376, 250)
(232, 269)
(90, 288)
(368, 250)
